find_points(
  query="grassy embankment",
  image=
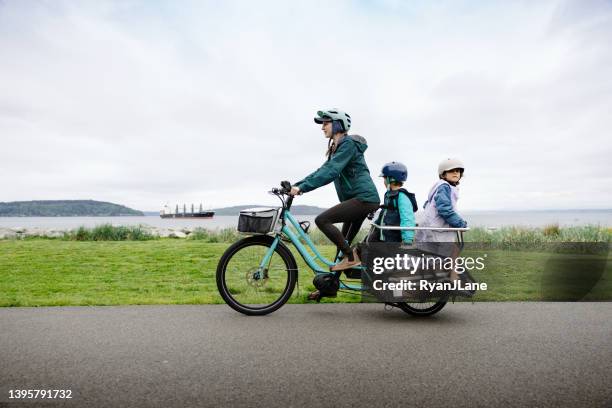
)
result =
(504, 238)
(76, 271)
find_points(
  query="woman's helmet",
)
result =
(334, 115)
(396, 171)
(449, 164)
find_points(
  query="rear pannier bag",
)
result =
(257, 220)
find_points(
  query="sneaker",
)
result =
(346, 263)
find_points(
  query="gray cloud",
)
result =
(143, 103)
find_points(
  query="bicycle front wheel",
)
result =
(249, 288)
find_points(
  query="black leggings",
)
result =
(351, 213)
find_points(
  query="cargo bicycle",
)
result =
(258, 274)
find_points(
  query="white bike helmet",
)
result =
(334, 114)
(449, 164)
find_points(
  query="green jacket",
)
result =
(348, 170)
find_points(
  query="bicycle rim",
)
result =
(425, 308)
(249, 289)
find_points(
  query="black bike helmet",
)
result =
(395, 171)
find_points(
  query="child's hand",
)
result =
(295, 191)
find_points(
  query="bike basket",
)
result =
(258, 220)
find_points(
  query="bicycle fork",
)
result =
(262, 271)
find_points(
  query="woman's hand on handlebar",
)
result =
(295, 190)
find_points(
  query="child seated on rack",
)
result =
(398, 208)
(441, 205)
(441, 212)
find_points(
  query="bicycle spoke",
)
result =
(250, 285)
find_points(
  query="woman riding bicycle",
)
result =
(346, 167)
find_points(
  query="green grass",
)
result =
(108, 232)
(535, 275)
(43, 272)
(518, 238)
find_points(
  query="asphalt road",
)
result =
(485, 354)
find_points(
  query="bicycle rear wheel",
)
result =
(425, 308)
(249, 289)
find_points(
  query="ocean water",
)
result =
(493, 219)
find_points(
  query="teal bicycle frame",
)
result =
(293, 231)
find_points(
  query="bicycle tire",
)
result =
(414, 310)
(286, 271)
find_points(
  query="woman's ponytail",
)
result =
(331, 148)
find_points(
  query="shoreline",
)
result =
(139, 232)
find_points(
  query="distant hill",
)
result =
(64, 208)
(295, 209)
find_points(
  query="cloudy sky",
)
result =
(147, 102)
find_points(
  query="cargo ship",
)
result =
(167, 212)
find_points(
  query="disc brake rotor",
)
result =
(257, 278)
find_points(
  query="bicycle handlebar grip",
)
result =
(286, 185)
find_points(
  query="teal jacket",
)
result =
(348, 170)
(399, 207)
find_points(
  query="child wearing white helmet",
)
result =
(440, 209)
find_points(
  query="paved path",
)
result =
(486, 354)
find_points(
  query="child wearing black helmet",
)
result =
(398, 208)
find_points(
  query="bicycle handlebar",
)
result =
(285, 190)
(286, 186)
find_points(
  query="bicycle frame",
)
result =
(294, 232)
